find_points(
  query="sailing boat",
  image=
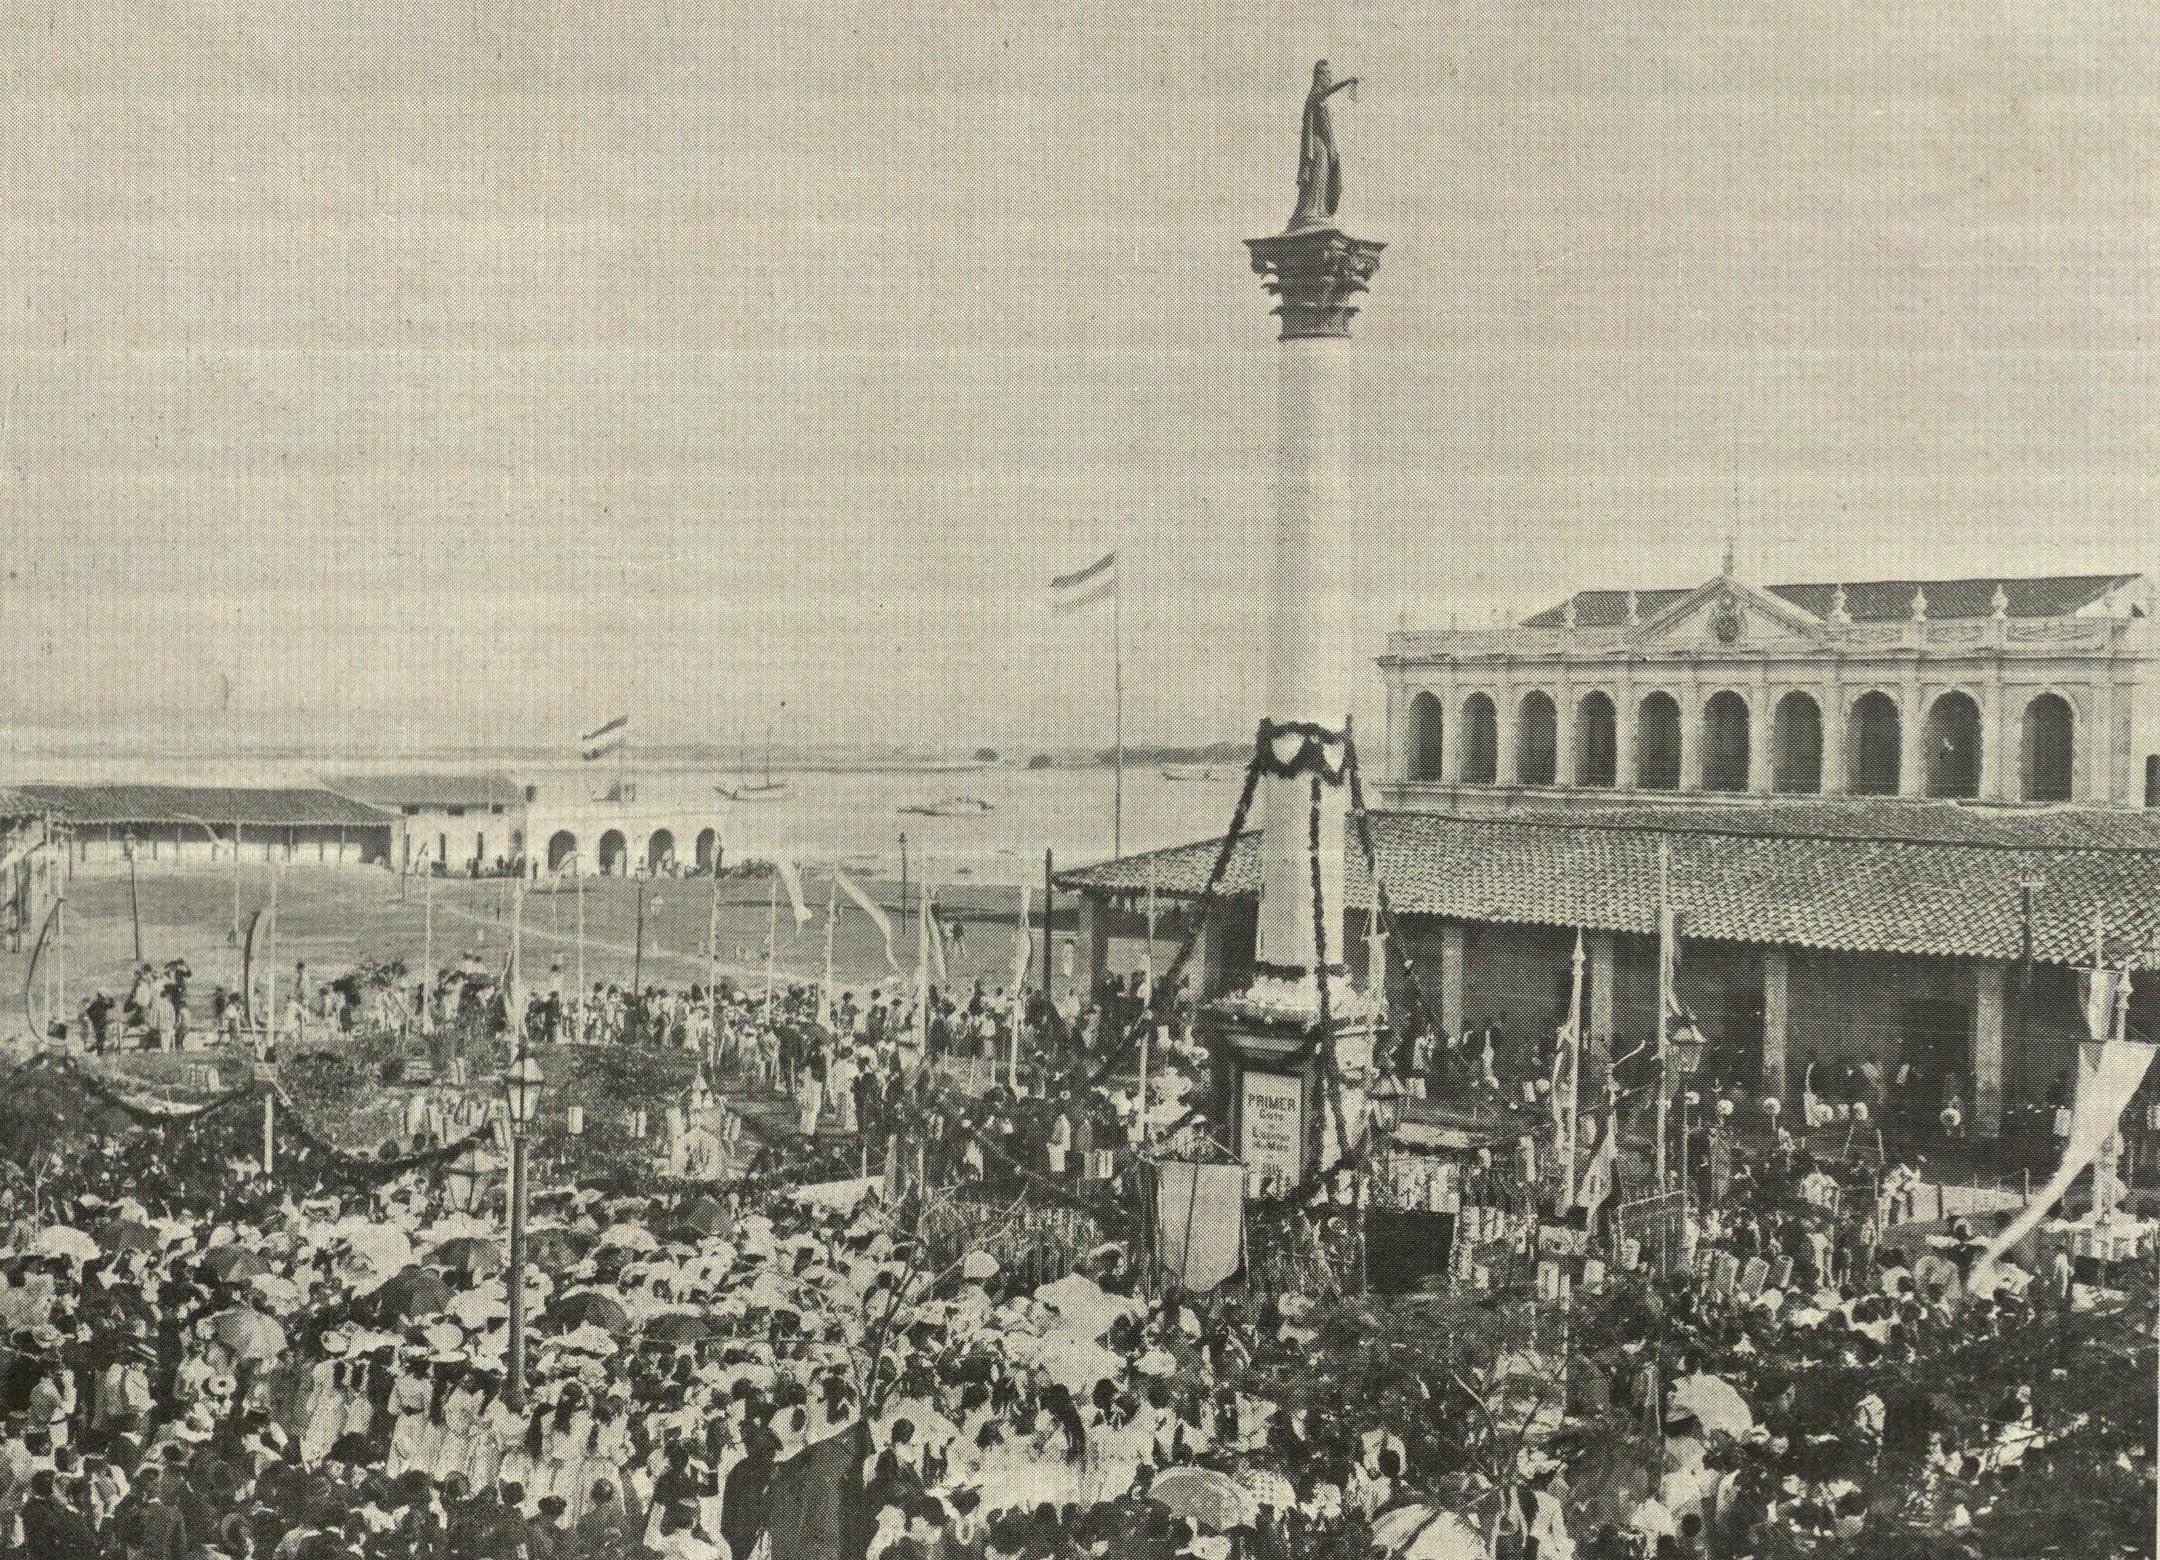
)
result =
(748, 790)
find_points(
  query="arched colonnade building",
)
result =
(2011, 691)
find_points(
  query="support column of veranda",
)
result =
(1276, 1103)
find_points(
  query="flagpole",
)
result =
(712, 955)
(772, 936)
(832, 911)
(1147, 1013)
(1574, 1069)
(1117, 691)
(582, 989)
(1665, 1000)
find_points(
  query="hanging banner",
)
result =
(1199, 1221)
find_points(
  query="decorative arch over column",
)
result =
(1951, 741)
(1725, 741)
(1873, 740)
(1425, 745)
(2047, 749)
(1796, 746)
(1657, 742)
(1597, 741)
(1479, 763)
(1537, 742)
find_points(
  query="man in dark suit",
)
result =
(52, 1526)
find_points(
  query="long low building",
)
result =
(1937, 938)
(175, 824)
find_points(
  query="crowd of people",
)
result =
(207, 1361)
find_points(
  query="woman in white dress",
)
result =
(412, 1397)
(322, 1410)
(608, 1451)
(565, 1440)
(497, 1427)
(460, 1427)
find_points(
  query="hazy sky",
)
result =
(501, 365)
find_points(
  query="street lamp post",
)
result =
(522, 1086)
(1687, 1047)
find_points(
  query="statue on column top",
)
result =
(1319, 176)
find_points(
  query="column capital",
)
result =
(1316, 272)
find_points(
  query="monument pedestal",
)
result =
(1269, 1075)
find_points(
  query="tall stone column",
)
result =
(1262, 1035)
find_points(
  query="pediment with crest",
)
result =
(1728, 614)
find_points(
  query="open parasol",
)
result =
(1425, 1533)
(249, 1334)
(467, 1255)
(1205, 1497)
(589, 1308)
(410, 1295)
(128, 1235)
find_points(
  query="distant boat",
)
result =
(1187, 774)
(950, 807)
(748, 790)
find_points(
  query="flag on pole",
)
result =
(1597, 1176)
(2109, 1073)
(792, 881)
(936, 928)
(1023, 944)
(878, 918)
(604, 739)
(826, 1012)
(1084, 587)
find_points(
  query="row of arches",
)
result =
(1951, 749)
(612, 855)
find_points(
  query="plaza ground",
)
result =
(334, 918)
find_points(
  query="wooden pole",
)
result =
(1574, 1072)
(1664, 1001)
(582, 989)
(1049, 907)
(1117, 693)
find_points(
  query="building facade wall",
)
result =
(2103, 667)
(102, 847)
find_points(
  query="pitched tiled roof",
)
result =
(431, 790)
(214, 804)
(1870, 601)
(1851, 893)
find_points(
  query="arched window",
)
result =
(660, 851)
(1537, 745)
(2048, 744)
(1952, 737)
(1796, 746)
(707, 842)
(1480, 762)
(614, 854)
(562, 845)
(1597, 747)
(2152, 779)
(1657, 743)
(1873, 734)
(1425, 737)
(1725, 742)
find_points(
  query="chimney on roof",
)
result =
(1567, 614)
(1838, 610)
(1919, 604)
(1999, 603)
(1634, 609)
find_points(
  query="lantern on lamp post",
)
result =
(1687, 1046)
(522, 1087)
